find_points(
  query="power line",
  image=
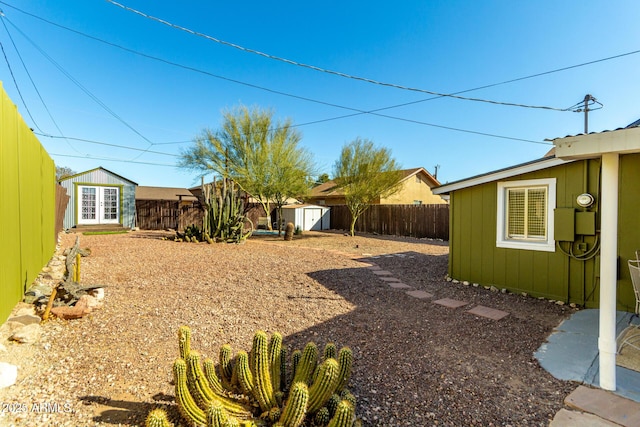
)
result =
(106, 144)
(112, 160)
(79, 85)
(357, 111)
(324, 70)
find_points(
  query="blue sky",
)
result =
(135, 101)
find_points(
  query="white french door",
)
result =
(98, 205)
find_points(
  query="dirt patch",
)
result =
(416, 362)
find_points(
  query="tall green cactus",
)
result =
(188, 408)
(216, 415)
(211, 376)
(295, 409)
(307, 365)
(243, 372)
(263, 388)
(250, 395)
(344, 415)
(275, 360)
(184, 341)
(324, 385)
(226, 368)
(345, 359)
(224, 212)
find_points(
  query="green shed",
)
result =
(98, 198)
(536, 227)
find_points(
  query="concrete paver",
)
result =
(490, 313)
(606, 405)
(450, 303)
(419, 294)
(567, 418)
(399, 285)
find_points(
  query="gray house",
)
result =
(99, 197)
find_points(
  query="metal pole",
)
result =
(587, 98)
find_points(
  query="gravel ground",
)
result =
(416, 363)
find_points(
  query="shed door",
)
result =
(98, 205)
(312, 219)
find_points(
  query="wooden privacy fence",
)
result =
(431, 221)
(168, 214)
(27, 206)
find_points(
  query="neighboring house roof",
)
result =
(164, 193)
(331, 189)
(95, 169)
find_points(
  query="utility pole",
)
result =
(588, 101)
(587, 98)
(435, 174)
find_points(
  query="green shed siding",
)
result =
(628, 222)
(475, 257)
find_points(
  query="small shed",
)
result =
(99, 197)
(307, 217)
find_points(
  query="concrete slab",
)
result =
(374, 267)
(420, 294)
(381, 272)
(605, 405)
(567, 418)
(450, 303)
(489, 313)
(399, 285)
(389, 279)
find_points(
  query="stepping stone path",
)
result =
(395, 283)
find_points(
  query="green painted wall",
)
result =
(554, 275)
(27, 206)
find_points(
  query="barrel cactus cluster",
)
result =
(260, 388)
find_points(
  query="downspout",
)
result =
(608, 270)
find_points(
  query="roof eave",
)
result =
(512, 171)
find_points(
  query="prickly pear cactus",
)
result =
(253, 389)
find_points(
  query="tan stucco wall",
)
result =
(411, 191)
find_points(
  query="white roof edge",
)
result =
(500, 174)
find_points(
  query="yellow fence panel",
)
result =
(27, 206)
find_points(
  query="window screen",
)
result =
(526, 213)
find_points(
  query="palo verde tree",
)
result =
(365, 174)
(258, 152)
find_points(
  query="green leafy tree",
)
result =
(365, 174)
(63, 172)
(258, 152)
(322, 179)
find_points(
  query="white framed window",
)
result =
(525, 214)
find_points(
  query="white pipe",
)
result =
(608, 270)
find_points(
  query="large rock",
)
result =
(8, 374)
(27, 334)
(77, 311)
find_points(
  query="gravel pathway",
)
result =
(416, 363)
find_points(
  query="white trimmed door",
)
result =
(98, 205)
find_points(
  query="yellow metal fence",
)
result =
(27, 206)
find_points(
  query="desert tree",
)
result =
(63, 172)
(365, 174)
(258, 152)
